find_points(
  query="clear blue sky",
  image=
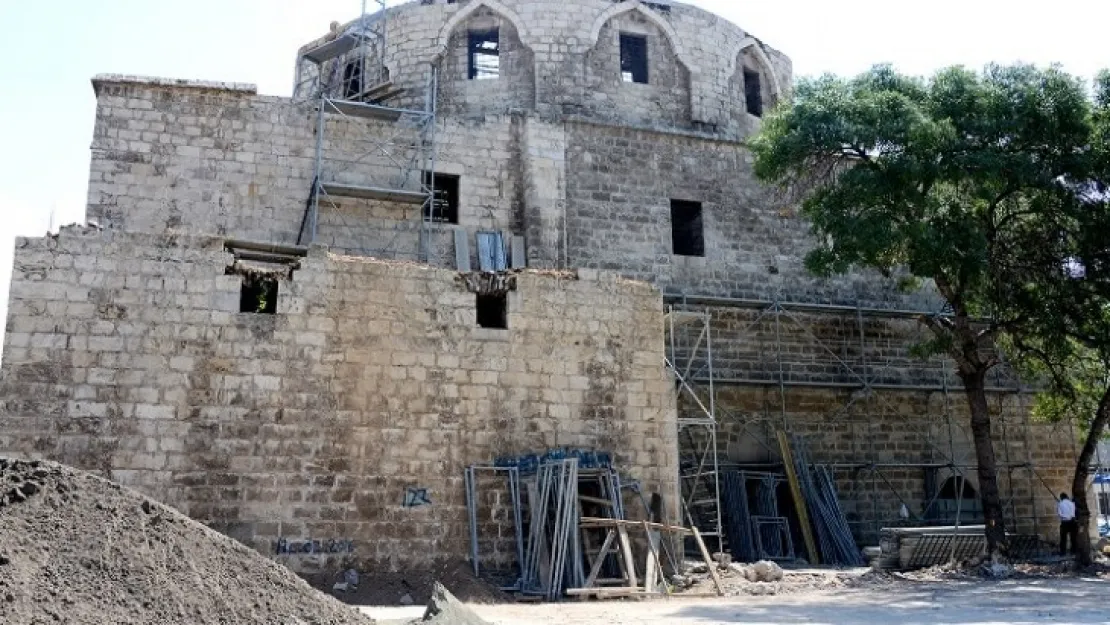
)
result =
(51, 48)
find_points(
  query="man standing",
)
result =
(1069, 528)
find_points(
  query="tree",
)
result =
(946, 181)
(1080, 393)
(1067, 340)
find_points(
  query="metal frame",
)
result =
(393, 146)
(699, 376)
(691, 331)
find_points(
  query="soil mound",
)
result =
(445, 609)
(76, 548)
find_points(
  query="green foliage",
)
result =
(1077, 401)
(963, 179)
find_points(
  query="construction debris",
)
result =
(445, 609)
(76, 548)
(764, 571)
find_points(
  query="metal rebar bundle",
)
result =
(734, 501)
(834, 537)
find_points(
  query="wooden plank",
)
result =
(604, 593)
(598, 522)
(626, 553)
(709, 562)
(591, 580)
(799, 501)
(651, 567)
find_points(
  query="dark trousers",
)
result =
(1069, 530)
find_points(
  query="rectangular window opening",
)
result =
(259, 295)
(634, 59)
(484, 55)
(493, 310)
(753, 92)
(687, 232)
(444, 207)
(352, 80)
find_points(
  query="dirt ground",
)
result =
(78, 549)
(1076, 601)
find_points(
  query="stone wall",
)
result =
(513, 89)
(664, 99)
(127, 354)
(559, 46)
(854, 388)
(620, 183)
(883, 445)
(204, 159)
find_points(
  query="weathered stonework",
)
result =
(127, 354)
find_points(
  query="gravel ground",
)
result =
(1076, 601)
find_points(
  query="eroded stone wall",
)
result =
(620, 183)
(127, 354)
(882, 446)
(893, 424)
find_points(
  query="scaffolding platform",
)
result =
(392, 161)
(366, 111)
(333, 49)
(378, 93)
(373, 193)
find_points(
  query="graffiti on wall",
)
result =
(416, 497)
(308, 546)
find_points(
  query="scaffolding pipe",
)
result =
(735, 302)
(857, 385)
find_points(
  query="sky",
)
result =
(50, 50)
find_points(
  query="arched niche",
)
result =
(610, 91)
(754, 88)
(484, 65)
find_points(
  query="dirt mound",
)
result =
(444, 609)
(75, 548)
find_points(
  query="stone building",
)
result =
(272, 321)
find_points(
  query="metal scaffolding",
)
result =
(715, 344)
(369, 154)
(688, 337)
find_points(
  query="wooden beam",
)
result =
(596, 522)
(709, 562)
(626, 553)
(799, 501)
(591, 581)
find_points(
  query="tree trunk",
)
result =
(975, 387)
(1082, 474)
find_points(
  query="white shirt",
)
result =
(1066, 509)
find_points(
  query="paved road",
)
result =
(1072, 601)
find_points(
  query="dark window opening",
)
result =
(444, 207)
(687, 233)
(259, 295)
(1104, 504)
(493, 310)
(753, 92)
(484, 57)
(634, 60)
(948, 489)
(352, 80)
